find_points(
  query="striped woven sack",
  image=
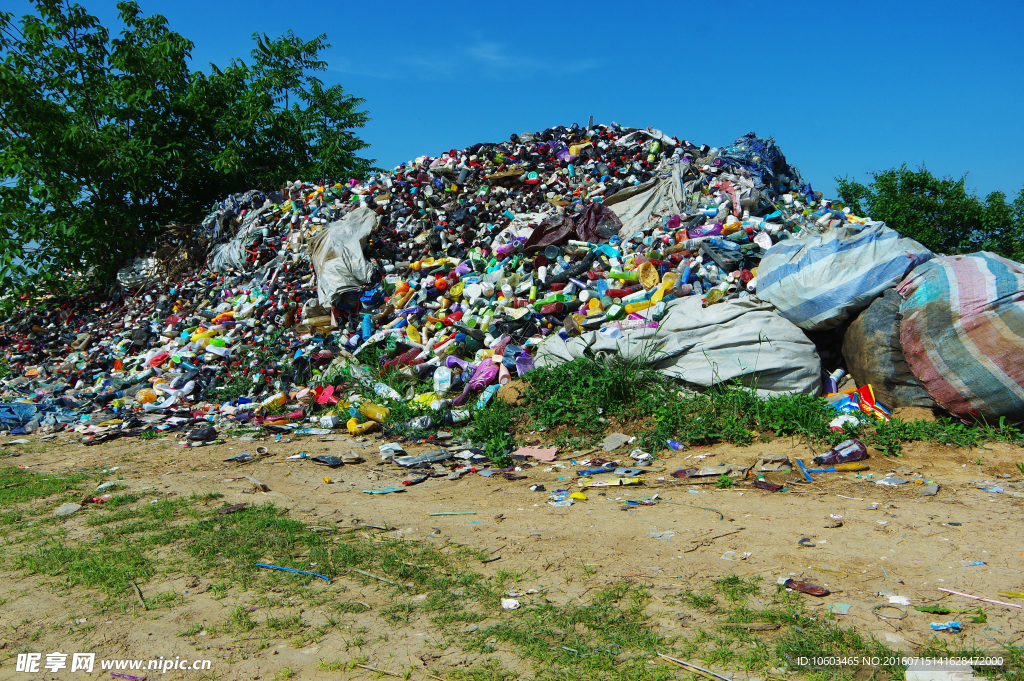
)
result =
(963, 334)
(818, 282)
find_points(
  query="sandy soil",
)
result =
(892, 541)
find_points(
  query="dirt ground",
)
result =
(892, 542)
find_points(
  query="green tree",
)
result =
(940, 212)
(104, 139)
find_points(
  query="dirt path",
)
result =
(891, 541)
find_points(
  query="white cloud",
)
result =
(490, 59)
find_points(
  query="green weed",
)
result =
(493, 427)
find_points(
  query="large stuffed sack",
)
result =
(742, 339)
(871, 348)
(963, 334)
(819, 281)
(336, 253)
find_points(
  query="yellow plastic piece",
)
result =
(714, 295)
(636, 307)
(578, 495)
(275, 400)
(659, 293)
(424, 400)
(356, 428)
(414, 334)
(648, 275)
(403, 299)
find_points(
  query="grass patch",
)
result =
(134, 543)
(584, 392)
(590, 394)
(18, 485)
(493, 427)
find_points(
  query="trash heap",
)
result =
(461, 272)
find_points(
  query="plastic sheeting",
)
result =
(336, 253)
(819, 281)
(645, 205)
(963, 334)
(871, 348)
(139, 272)
(741, 339)
(596, 224)
(232, 254)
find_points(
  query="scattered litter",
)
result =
(509, 604)
(889, 612)
(979, 598)
(241, 458)
(301, 572)
(804, 587)
(731, 555)
(700, 670)
(67, 509)
(539, 453)
(773, 463)
(613, 441)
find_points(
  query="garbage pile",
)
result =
(464, 271)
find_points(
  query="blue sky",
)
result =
(845, 86)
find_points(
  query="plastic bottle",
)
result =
(419, 423)
(831, 384)
(442, 380)
(374, 411)
(844, 452)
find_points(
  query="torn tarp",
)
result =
(645, 205)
